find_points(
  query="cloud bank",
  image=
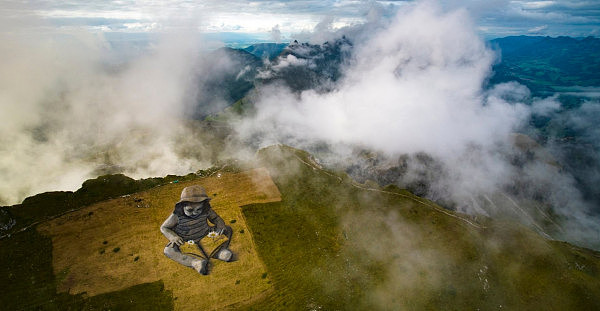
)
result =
(415, 86)
(413, 92)
(495, 17)
(73, 109)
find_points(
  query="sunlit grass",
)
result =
(329, 244)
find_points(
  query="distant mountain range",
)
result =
(544, 64)
(299, 66)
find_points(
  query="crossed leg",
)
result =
(173, 252)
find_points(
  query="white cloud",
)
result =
(108, 14)
(298, 16)
(537, 29)
(431, 67)
(535, 4)
(68, 110)
(276, 34)
(416, 86)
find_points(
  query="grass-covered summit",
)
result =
(325, 243)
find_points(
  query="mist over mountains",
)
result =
(463, 138)
(434, 109)
(230, 76)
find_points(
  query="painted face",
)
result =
(194, 209)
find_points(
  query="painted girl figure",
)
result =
(189, 222)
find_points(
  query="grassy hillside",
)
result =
(313, 240)
(110, 254)
(331, 244)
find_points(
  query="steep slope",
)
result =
(303, 66)
(266, 50)
(333, 244)
(229, 76)
(420, 172)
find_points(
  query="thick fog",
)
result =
(75, 106)
(414, 93)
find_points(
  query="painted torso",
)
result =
(192, 228)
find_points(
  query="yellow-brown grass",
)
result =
(85, 242)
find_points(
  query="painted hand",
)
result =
(176, 240)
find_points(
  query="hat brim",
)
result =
(193, 200)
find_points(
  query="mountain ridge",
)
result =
(332, 243)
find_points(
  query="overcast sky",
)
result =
(494, 18)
